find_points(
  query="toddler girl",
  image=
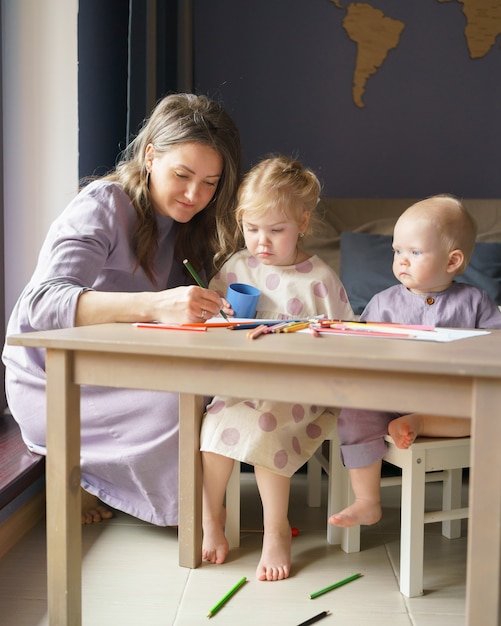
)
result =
(275, 204)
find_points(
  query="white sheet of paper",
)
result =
(442, 335)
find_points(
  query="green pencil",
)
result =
(199, 282)
(334, 586)
(226, 597)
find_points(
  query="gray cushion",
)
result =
(366, 267)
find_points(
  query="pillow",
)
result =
(366, 262)
(484, 270)
(366, 267)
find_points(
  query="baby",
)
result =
(432, 242)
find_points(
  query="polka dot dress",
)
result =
(278, 436)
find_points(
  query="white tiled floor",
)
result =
(131, 576)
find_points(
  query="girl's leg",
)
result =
(275, 560)
(405, 429)
(216, 474)
(366, 509)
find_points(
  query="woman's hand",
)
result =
(188, 305)
(226, 308)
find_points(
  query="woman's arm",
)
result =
(180, 305)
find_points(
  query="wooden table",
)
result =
(460, 378)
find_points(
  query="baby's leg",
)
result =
(275, 560)
(93, 510)
(216, 473)
(405, 429)
(366, 509)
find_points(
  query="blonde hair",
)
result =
(448, 216)
(275, 183)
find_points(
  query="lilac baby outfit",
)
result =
(362, 432)
(278, 436)
(129, 445)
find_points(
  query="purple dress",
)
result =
(129, 445)
(362, 432)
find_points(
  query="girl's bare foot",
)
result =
(404, 430)
(275, 563)
(361, 512)
(93, 511)
(215, 546)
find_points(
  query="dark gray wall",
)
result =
(284, 70)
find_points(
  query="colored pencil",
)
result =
(315, 618)
(292, 328)
(334, 586)
(250, 325)
(226, 597)
(262, 329)
(170, 326)
(200, 283)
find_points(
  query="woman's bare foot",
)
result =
(275, 563)
(361, 512)
(215, 546)
(93, 511)
(404, 430)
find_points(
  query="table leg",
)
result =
(190, 480)
(64, 534)
(483, 576)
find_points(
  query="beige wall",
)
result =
(40, 118)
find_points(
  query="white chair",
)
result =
(427, 460)
(340, 495)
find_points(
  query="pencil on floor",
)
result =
(226, 597)
(315, 618)
(334, 586)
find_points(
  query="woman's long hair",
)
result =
(177, 119)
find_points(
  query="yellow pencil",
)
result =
(294, 327)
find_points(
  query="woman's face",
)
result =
(184, 179)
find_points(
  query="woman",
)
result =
(115, 255)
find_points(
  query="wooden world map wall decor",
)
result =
(376, 35)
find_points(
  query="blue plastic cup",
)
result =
(243, 299)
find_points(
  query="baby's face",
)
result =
(420, 258)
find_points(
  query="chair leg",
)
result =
(340, 496)
(451, 499)
(232, 528)
(412, 524)
(314, 482)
